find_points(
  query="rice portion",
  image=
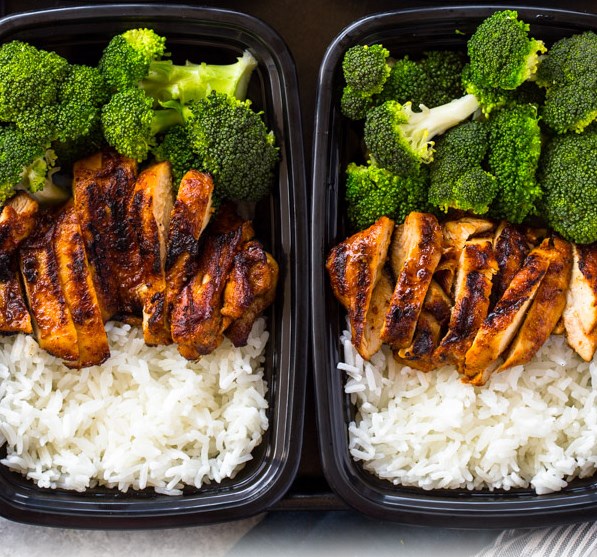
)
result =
(145, 418)
(530, 426)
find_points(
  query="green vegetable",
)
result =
(400, 140)
(514, 150)
(167, 81)
(457, 177)
(176, 148)
(372, 192)
(568, 176)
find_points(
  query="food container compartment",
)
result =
(213, 36)
(337, 141)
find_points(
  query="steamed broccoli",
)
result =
(372, 192)
(457, 178)
(514, 150)
(126, 59)
(131, 124)
(234, 146)
(568, 175)
(501, 53)
(176, 148)
(166, 81)
(399, 139)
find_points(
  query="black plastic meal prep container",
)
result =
(337, 142)
(213, 36)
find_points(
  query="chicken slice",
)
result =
(472, 288)
(196, 320)
(52, 322)
(546, 309)
(414, 261)
(250, 289)
(17, 220)
(102, 188)
(580, 313)
(510, 248)
(502, 323)
(455, 234)
(355, 267)
(78, 290)
(190, 215)
(150, 210)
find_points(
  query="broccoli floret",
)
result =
(130, 123)
(372, 192)
(234, 144)
(354, 105)
(568, 175)
(166, 81)
(70, 151)
(514, 150)
(457, 178)
(176, 148)
(501, 53)
(407, 82)
(400, 140)
(125, 60)
(29, 79)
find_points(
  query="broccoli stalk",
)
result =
(400, 140)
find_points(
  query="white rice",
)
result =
(145, 418)
(531, 426)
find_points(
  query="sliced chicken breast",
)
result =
(510, 248)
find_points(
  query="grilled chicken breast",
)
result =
(414, 261)
(17, 220)
(196, 320)
(502, 323)
(250, 289)
(546, 309)
(190, 215)
(472, 288)
(149, 211)
(102, 188)
(52, 322)
(510, 248)
(580, 313)
(355, 267)
(78, 290)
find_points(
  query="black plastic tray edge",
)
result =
(342, 474)
(276, 488)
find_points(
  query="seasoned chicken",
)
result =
(416, 251)
(17, 220)
(472, 288)
(355, 267)
(51, 319)
(150, 209)
(190, 215)
(196, 320)
(78, 290)
(102, 188)
(502, 323)
(546, 309)
(510, 248)
(433, 319)
(580, 313)
(455, 234)
(250, 289)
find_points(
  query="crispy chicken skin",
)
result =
(580, 313)
(17, 220)
(414, 261)
(52, 322)
(102, 188)
(355, 267)
(250, 289)
(472, 288)
(150, 210)
(190, 215)
(502, 323)
(79, 292)
(546, 309)
(510, 248)
(196, 320)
